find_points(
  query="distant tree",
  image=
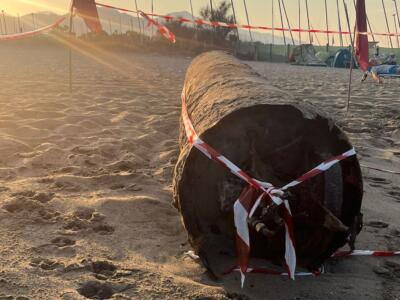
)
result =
(219, 14)
(180, 30)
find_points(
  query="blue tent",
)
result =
(343, 59)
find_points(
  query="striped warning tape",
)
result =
(256, 190)
(19, 36)
(365, 253)
(161, 28)
(267, 271)
(321, 270)
(164, 31)
(253, 194)
(201, 22)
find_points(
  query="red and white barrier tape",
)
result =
(252, 27)
(117, 8)
(252, 195)
(161, 28)
(244, 204)
(266, 271)
(267, 28)
(19, 36)
(321, 270)
(366, 253)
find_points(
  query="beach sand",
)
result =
(85, 180)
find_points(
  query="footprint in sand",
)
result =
(103, 270)
(377, 224)
(394, 268)
(102, 290)
(390, 269)
(4, 189)
(46, 264)
(32, 205)
(62, 242)
(43, 197)
(86, 219)
(395, 193)
(103, 229)
(59, 246)
(377, 181)
(56, 250)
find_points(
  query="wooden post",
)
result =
(299, 22)
(273, 22)
(397, 14)
(352, 56)
(19, 23)
(191, 9)
(212, 19)
(5, 23)
(308, 22)
(271, 49)
(120, 24)
(282, 25)
(131, 22)
(339, 23)
(234, 19)
(33, 21)
(370, 29)
(237, 29)
(348, 21)
(139, 23)
(15, 24)
(387, 23)
(287, 20)
(327, 26)
(152, 17)
(71, 16)
(395, 27)
(1, 26)
(248, 20)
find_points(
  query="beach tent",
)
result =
(304, 55)
(343, 59)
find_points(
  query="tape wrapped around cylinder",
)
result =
(273, 138)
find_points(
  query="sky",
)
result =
(260, 11)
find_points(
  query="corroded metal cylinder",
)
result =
(273, 138)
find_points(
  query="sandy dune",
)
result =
(85, 180)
